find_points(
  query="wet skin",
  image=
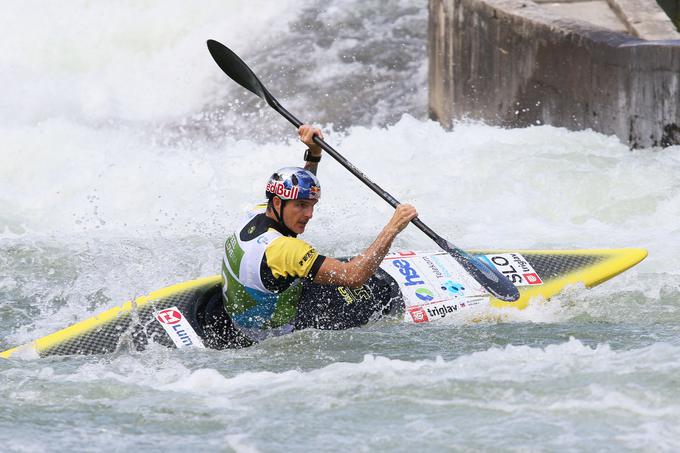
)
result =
(297, 213)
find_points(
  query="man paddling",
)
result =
(265, 261)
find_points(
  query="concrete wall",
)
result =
(514, 64)
(644, 19)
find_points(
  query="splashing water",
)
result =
(128, 156)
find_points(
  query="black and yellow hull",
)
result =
(135, 324)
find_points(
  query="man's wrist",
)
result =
(310, 156)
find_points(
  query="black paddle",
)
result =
(488, 276)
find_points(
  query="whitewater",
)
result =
(127, 156)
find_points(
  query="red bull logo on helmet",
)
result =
(277, 188)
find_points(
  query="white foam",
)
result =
(97, 62)
(559, 380)
(106, 192)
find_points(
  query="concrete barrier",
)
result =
(514, 63)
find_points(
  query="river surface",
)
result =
(126, 157)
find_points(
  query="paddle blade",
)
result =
(488, 276)
(238, 71)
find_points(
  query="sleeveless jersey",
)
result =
(262, 266)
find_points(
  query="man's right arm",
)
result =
(359, 269)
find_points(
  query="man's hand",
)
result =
(307, 134)
(401, 218)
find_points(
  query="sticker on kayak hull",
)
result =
(433, 285)
(178, 328)
(437, 310)
(418, 315)
(515, 267)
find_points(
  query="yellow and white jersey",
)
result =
(262, 265)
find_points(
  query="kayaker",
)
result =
(264, 260)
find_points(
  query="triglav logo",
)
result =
(418, 314)
(441, 310)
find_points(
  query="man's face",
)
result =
(297, 213)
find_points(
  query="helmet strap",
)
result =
(279, 215)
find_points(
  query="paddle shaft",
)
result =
(487, 275)
(365, 179)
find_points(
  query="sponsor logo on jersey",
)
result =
(277, 188)
(230, 247)
(310, 253)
